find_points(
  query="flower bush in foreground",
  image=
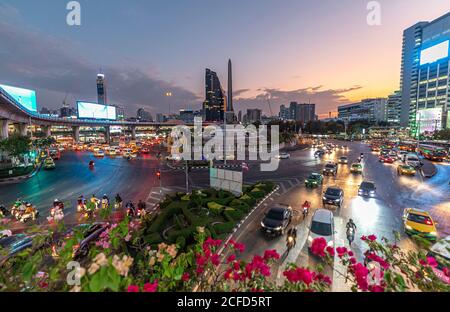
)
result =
(120, 260)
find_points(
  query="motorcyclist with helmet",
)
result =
(94, 200)
(119, 202)
(131, 209)
(105, 201)
(291, 234)
(351, 229)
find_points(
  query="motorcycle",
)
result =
(105, 203)
(91, 165)
(306, 205)
(350, 235)
(56, 214)
(290, 243)
(28, 215)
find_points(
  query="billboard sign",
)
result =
(87, 110)
(429, 120)
(434, 53)
(26, 98)
(226, 180)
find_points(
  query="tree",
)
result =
(443, 134)
(16, 145)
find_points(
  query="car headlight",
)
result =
(324, 198)
(360, 191)
(262, 224)
(408, 227)
(336, 200)
(306, 181)
(433, 233)
(372, 192)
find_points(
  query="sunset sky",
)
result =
(321, 51)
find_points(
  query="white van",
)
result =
(412, 160)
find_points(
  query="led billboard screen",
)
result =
(26, 98)
(434, 53)
(429, 120)
(96, 111)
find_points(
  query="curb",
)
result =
(204, 167)
(238, 226)
(19, 179)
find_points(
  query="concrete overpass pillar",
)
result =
(22, 129)
(133, 132)
(4, 127)
(76, 133)
(107, 134)
(47, 131)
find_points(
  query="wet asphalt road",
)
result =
(136, 179)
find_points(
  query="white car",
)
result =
(322, 225)
(412, 160)
(283, 156)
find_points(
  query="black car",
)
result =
(330, 168)
(319, 153)
(333, 196)
(367, 189)
(276, 220)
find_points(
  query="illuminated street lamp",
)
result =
(169, 94)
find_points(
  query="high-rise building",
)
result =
(394, 107)
(67, 111)
(253, 115)
(101, 89)
(143, 115)
(285, 113)
(214, 104)
(304, 112)
(160, 118)
(424, 77)
(372, 110)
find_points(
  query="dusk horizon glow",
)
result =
(300, 51)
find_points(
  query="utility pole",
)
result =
(187, 176)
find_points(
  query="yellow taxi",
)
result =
(406, 170)
(419, 222)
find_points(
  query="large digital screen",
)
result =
(26, 98)
(434, 53)
(429, 120)
(96, 111)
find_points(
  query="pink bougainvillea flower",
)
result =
(318, 246)
(133, 288)
(352, 260)
(271, 254)
(151, 287)
(361, 273)
(350, 253)
(200, 260)
(186, 277)
(231, 258)
(363, 238)
(215, 259)
(330, 251)
(372, 238)
(432, 262)
(199, 270)
(341, 251)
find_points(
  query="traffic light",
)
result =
(158, 175)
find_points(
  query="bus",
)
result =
(407, 146)
(432, 152)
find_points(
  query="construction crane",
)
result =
(64, 101)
